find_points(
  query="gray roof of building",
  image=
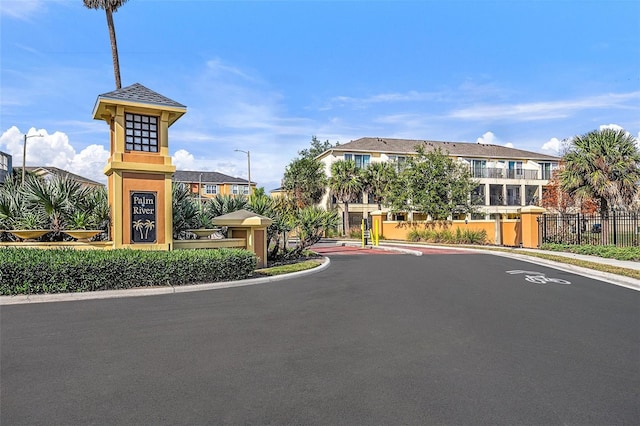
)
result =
(138, 93)
(458, 149)
(63, 173)
(190, 176)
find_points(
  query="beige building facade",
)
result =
(507, 178)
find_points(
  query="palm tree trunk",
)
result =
(604, 217)
(346, 218)
(114, 47)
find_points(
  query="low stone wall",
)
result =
(210, 244)
(78, 245)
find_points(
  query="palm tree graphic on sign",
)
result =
(148, 225)
(139, 226)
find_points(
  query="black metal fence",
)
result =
(618, 229)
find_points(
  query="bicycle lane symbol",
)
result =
(538, 277)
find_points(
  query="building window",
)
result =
(141, 133)
(547, 170)
(244, 189)
(399, 161)
(234, 190)
(362, 161)
(479, 168)
(477, 196)
(211, 189)
(4, 162)
(515, 170)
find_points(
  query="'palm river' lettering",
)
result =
(142, 210)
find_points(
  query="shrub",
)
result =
(355, 232)
(32, 271)
(610, 252)
(448, 237)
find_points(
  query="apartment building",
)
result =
(210, 184)
(507, 178)
(5, 166)
(48, 172)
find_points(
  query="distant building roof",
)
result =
(458, 149)
(49, 170)
(190, 176)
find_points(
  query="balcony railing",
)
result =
(499, 200)
(501, 173)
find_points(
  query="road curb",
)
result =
(154, 291)
(395, 249)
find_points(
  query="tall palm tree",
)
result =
(109, 7)
(603, 165)
(346, 184)
(377, 179)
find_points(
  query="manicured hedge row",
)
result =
(32, 271)
(611, 252)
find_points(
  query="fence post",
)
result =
(579, 229)
(615, 233)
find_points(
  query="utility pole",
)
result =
(24, 153)
(248, 167)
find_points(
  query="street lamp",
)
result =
(24, 152)
(248, 167)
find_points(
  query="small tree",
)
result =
(346, 185)
(305, 181)
(377, 180)
(317, 148)
(556, 199)
(432, 183)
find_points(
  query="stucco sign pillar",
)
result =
(139, 168)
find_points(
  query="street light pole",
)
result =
(24, 153)
(248, 167)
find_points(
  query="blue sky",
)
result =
(266, 76)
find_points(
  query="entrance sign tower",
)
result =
(139, 167)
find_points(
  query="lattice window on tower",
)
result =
(141, 133)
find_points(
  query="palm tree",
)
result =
(346, 184)
(377, 179)
(109, 7)
(603, 165)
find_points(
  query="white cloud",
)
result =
(20, 9)
(487, 138)
(547, 110)
(55, 150)
(410, 96)
(553, 144)
(183, 160)
(610, 126)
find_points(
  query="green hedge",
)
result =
(611, 252)
(468, 236)
(33, 271)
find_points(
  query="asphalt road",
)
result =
(437, 339)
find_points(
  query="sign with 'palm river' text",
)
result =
(143, 217)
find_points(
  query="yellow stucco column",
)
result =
(250, 226)
(139, 169)
(377, 217)
(529, 222)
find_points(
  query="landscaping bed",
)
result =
(34, 271)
